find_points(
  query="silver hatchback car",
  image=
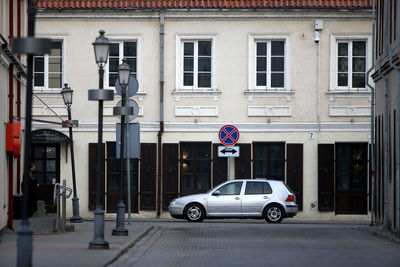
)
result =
(248, 198)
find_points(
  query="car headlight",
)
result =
(172, 202)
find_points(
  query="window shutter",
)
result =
(295, 171)
(219, 167)
(170, 173)
(93, 175)
(326, 177)
(243, 162)
(148, 176)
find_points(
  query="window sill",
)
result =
(250, 94)
(348, 92)
(179, 93)
(39, 90)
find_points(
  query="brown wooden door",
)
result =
(113, 181)
(148, 176)
(295, 171)
(326, 177)
(170, 174)
(47, 164)
(219, 167)
(351, 178)
(93, 175)
(243, 162)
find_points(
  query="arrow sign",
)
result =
(232, 151)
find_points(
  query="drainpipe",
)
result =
(397, 137)
(372, 134)
(160, 132)
(386, 124)
(10, 120)
(19, 96)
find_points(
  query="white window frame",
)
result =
(337, 38)
(45, 88)
(180, 39)
(121, 40)
(252, 78)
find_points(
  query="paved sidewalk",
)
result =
(71, 248)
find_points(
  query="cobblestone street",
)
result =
(255, 243)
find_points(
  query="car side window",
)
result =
(231, 188)
(257, 188)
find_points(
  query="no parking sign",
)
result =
(228, 135)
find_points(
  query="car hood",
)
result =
(190, 198)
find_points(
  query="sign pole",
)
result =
(228, 160)
(128, 164)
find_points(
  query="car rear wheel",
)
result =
(194, 212)
(274, 214)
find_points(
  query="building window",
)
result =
(48, 69)
(351, 64)
(195, 167)
(350, 61)
(269, 63)
(196, 63)
(119, 51)
(47, 163)
(269, 161)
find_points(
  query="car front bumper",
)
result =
(176, 210)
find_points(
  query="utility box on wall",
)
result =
(13, 133)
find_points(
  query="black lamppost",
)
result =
(66, 93)
(101, 49)
(30, 46)
(123, 77)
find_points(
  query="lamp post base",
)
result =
(24, 244)
(75, 211)
(98, 242)
(120, 229)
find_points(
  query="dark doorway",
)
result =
(47, 161)
(351, 178)
(269, 161)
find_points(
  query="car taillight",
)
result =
(290, 198)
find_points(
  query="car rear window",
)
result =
(257, 188)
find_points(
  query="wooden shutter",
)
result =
(219, 167)
(295, 171)
(326, 177)
(148, 176)
(243, 162)
(170, 173)
(93, 175)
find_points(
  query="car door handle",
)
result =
(265, 197)
(237, 198)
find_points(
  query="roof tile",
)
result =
(185, 4)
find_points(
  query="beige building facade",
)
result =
(291, 81)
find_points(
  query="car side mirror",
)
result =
(216, 193)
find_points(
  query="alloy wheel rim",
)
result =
(194, 213)
(274, 213)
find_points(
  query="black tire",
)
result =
(274, 213)
(194, 212)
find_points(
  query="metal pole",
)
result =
(64, 206)
(120, 227)
(24, 239)
(128, 166)
(228, 166)
(75, 200)
(98, 242)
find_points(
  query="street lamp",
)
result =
(101, 49)
(123, 77)
(66, 93)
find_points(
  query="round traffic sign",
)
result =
(130, 103)
(132, 89)
(228, 135)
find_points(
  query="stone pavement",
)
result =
(71, 248)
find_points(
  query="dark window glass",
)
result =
(204, 48)
(343, 64)
(47, 160)
(204, 80)
(269, 160)
(188, 64)
(261, 49)
(342, 49)
(39, 79)
(358, 80)
(277, 48)
(359, 48)
(188, 49)
(195, 167)
(129, 49)
(114, 50)
(261, 64)
(205, 64)
(358, 64)
(342, 79)
(254, 188)
(39, 64)
(188, 79)
(261, 79)
(231, 188)
(277, 80)
(277, 64)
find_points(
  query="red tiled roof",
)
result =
(184, 4)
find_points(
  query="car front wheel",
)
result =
(194, 212)
(274, 214)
